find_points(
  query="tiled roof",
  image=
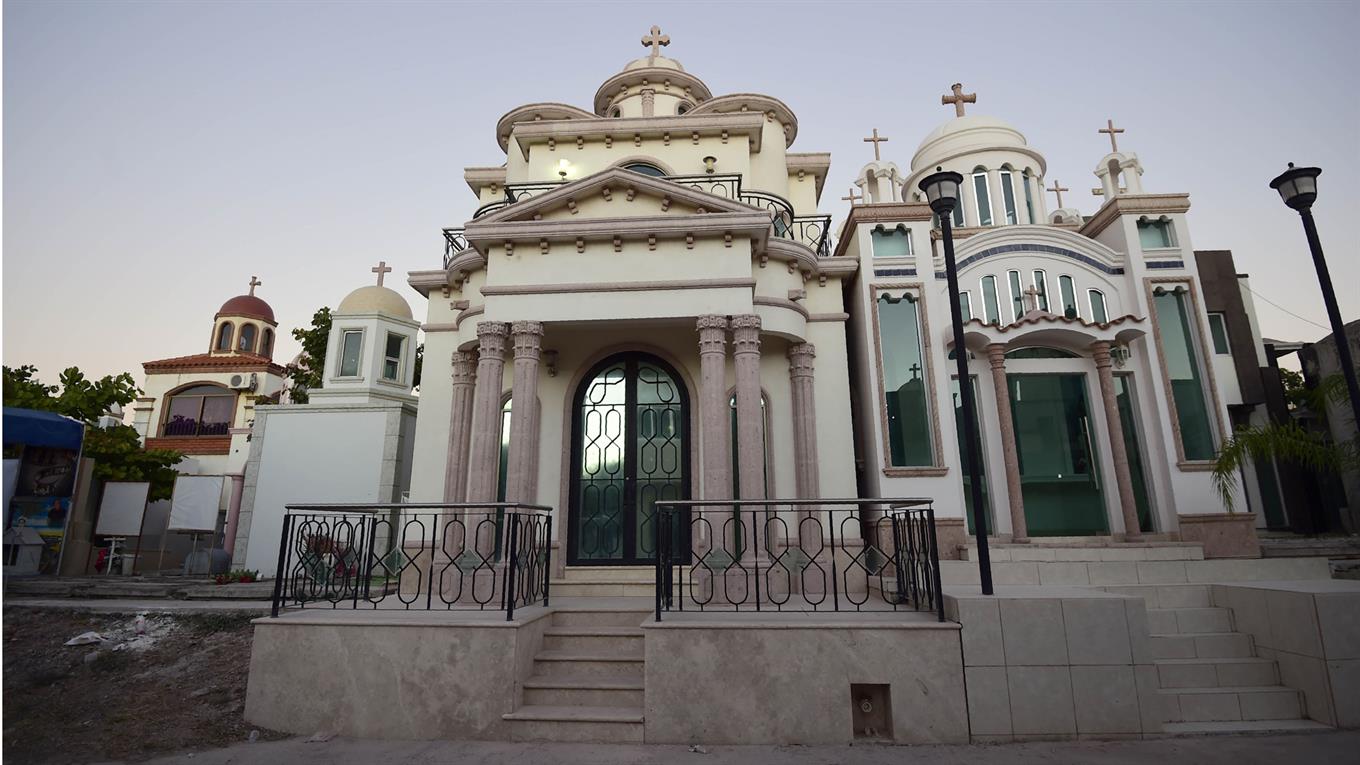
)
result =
(207, 362)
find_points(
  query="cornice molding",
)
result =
(585, 287)
(547, 110)
(884, 212)
(479, 177)
(691, 86)
(527, 134)
(1134, 204)
(752, 102)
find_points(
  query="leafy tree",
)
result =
(117, 450)
(306, 374)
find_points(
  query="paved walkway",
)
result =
(1314, 748)
(131, 606)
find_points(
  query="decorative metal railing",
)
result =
(811, 230)
(489, 556)
(802, 555)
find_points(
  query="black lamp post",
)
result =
(942, 192)
(1298, 189)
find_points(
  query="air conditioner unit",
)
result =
(243, 382)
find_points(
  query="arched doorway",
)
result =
(630, 449)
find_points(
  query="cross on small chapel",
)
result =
(254, 282)
(382, 269)
(958, 99)
(876, 140)
(1032, 297)
(915, 370)
(852, 198)
(655, 41)
(1112, 131)
(1058, 189)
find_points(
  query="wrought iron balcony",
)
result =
(811, 230)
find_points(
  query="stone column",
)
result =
(997, 198)
(801, 360)
(713, 408)
(460, 426)
(996, 354)
(484, 451)
(520, 484)
(750, 427)
(1100, 352)
(238, 482)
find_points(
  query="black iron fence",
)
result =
(797, 555)
(489, 556)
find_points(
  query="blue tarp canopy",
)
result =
(34, 428)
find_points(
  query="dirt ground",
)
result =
(177, 682)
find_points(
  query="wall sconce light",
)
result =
(709, 162)
(550, 362)
(562, 167)
(1120, 355)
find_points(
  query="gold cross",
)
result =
(958, 99)
(254, 282)
(1111, 130)
(382, 269)
(1057, 189)
(852, 198)
(875, 140)
(655, 40)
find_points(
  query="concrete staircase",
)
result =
(1210, 679)
(606, 582)
(587, 681)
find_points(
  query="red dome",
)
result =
(247, 305)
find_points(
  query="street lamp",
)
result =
(942, 192)
(1298, 189)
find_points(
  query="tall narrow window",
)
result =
(958, 210)
(1218, 331)
(224, 337)
(503, 470)
(1008, 197)
(351, 347)
(891, 243)
(247, 341)
(1017, 295)
(966, 305)
(991, 309)
(1041, 286)
(267, 344)
(1155, 234)
(905, 388)
(1098, 313)
(1175, 326)
(981, 198)
(1029, 200)
(392, 357)
(1069, 297)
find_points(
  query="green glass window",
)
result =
(1017, 295)
(351, 346)
(1175, 324)
(1029, 200)
(904, 382)
(1040, 352)
(1155, 234)
(1218, 330)
(982, 199)
(504, 468)
(966, 305)
(645, 168)
(1069, 296)
(891, 243)
(1098, 312)
(1041, 285)
(965, 473)
(1008, 197)
(392, 357)
(958, 209)
(991, 309)
(1127, 403)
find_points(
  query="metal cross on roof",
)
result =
(852, 198)
(655, 40)
(958, 99)
(1058, 189)
(254, 282)
(876, 140)
(382, 269)
(1112, 131)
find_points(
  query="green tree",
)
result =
(306, 374)
(117, 451)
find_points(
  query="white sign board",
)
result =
(195, 504)
(120, 511)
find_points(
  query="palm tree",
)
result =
(1287, 442)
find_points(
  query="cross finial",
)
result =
(382, 269)
(254, 282)
(655, 40)
(1058, 189)
(852, 198)
(1112, 131)
(876, 140)
(1032, 297)
(958, 99)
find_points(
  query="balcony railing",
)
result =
(802, 555)
(811, 230)
(491, 556)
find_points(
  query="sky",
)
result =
(159, 154)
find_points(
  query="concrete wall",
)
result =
(786, 679)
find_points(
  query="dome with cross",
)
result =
(376, 298)
(652, 85)
(244, 324)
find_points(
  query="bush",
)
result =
(238, 576)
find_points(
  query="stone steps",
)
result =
(583, 692)
(602, 588)
(1222, 645)
(1241, 726)
(1193, 705)
(601, 617)
(1189, 621)
(599, 665)
(1167, 595)
(577, 724)
(622, 640)
(1136, 572)
(1093, 550)
(1217, 673)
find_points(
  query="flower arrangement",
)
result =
(237, 576)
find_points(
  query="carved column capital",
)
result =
(746, 334)
(712, 333)
(491, 336)
(801, 360)
(996, 355)
(528, 339)
(1100, 352)
(464, 368)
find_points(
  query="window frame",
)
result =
(400, 358)
(1025, 176)
(995, 307)
(230, 330)
(253, 334)
(966, 305)
(881, 231)
(1008, 205)
(977, 199)
(1199, 343)
(1091, 293)
(183, 393)
(340, 355)
(1223, 328)
(917, 291)
(1164, 224)
(1015, 285)
(1065, 282)
(1039, 280)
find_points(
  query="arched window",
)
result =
(891, 242)
(1041, 286)
(224, 337)
(247, 341)
(504, 468)
(1069, 297)
(199, 410)
(982, 198)
(645, 169)
(1029, 199)
(683, 107)
(615, 112)
(966, 305)
(1017, 295)
(267, 344)
(1156, 234)
(991, 309)
(1097, 300)
(1008, 195)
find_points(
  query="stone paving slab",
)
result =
(135, 606)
